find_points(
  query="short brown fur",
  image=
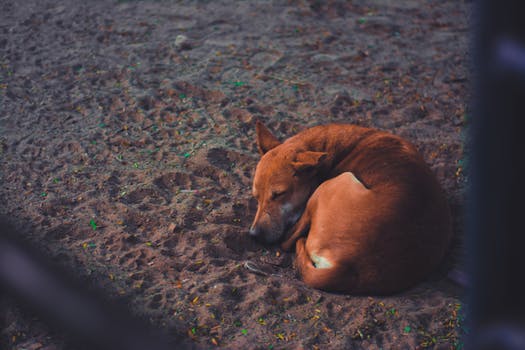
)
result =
(363, 201)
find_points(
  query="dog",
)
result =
(363, 210)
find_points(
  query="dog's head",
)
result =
(284, 180)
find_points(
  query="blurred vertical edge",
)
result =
(87, 318)
(495, 231)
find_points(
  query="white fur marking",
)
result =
(320, 262)
(286, 209)
(355, 179)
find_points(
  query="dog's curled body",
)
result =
(372, 216)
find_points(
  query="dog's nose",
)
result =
(254, 231)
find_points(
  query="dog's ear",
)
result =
(265, 139)
(308, 160)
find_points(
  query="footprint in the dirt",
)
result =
(228, 291)
(240, 243)
(219, 157)
(243, 210)
(128, 258)
(192, 217)
(58, 207)
(233, 162)
(135, 220)
(172, 181)
(170, 242)
(167, 245)
(156, 301)
(273, 291)
(342, 106)
(59, 232)
(387, 119)
(111, 184)
(146, 103)
(287, 129)
(149, 195)
(217, 252)
(212, 175)
(227, 159)
(135, 259)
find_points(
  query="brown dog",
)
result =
(364, 211)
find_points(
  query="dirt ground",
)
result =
(127, 153)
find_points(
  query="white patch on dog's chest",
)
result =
(320, 262)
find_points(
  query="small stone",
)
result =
(182, 42)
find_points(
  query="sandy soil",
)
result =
(127, 152)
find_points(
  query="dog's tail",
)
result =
(335, 278)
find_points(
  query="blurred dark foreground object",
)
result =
(495, 225)
(87, 318)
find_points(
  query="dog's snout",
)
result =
(254, 231)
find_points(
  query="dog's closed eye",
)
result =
(278, 193)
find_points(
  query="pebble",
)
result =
(182, 42)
